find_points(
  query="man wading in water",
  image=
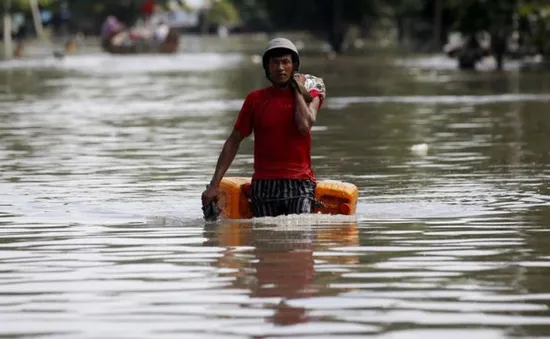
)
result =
(281, 117)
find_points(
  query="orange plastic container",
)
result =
(232, 198)
(337, 197)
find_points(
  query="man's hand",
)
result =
(300, 79)
(298, 84)
(209, 195)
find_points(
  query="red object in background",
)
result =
(148, 7)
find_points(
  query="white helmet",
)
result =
(281, 43)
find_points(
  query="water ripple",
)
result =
(103, 160)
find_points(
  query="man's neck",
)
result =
(281, 86)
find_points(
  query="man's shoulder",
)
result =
(257, 95)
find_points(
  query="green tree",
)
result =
(23, 5)
(332, 19)
(222, 12)
(534, 25)
(253, 14)
(329, 19)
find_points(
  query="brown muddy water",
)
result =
(103, 159)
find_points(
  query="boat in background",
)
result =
(169, 45)
(154, 37)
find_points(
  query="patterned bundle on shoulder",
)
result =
(313, 82)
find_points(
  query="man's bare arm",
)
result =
(305, 115)
(227, 155)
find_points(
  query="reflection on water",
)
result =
(103, 158)
(283, 267)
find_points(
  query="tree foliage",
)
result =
(331, 19)
(223, 12)
(23, 5)
(534, 22)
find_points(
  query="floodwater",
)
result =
(103, 159)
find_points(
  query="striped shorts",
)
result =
(271, 198)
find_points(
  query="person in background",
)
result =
(111, 27)
(19, 33)
(147, 9)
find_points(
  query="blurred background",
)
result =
(468, 30)
(112, 117)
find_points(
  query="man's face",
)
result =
(281, 69)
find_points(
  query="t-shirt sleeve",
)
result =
(244, 124)
(316, 93)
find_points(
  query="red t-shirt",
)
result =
(281, 151)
